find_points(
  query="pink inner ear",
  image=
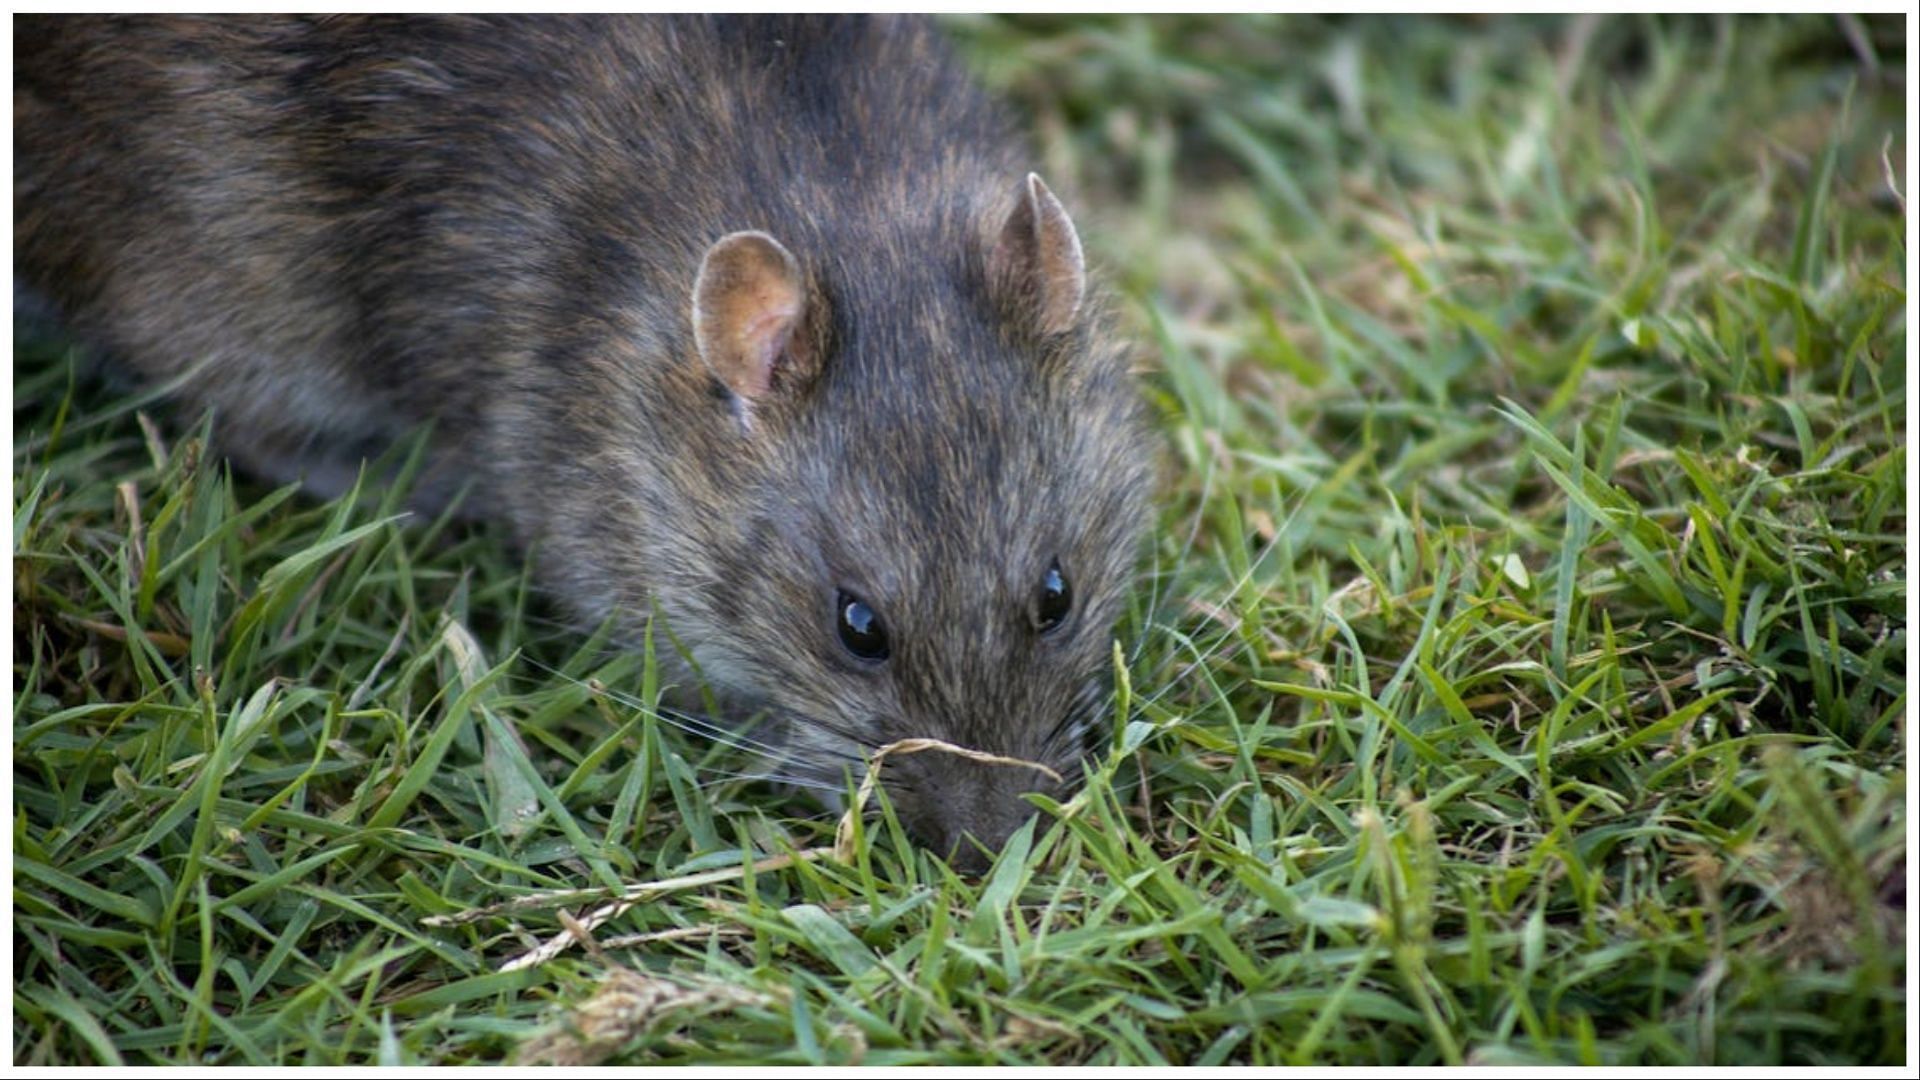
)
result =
(1037, 256)
(1062, 266)
(763, 342)
(747, 302)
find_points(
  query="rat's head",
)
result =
(944, 481)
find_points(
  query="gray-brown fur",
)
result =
(332, 230)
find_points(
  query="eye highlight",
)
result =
(1053, 602)
(860, 629)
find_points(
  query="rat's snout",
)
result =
(963, 810)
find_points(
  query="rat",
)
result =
(758, 326)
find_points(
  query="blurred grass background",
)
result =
(1517, 676)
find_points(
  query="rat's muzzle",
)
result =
(963, 805)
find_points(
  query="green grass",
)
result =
(1518, 675)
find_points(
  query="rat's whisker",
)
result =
(716, 778)
(1186, 548)
(1232, 593)
(684, 721)
(862, 743)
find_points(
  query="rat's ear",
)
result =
(1037, 261)
(747, 306)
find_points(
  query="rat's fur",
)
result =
(332, 230)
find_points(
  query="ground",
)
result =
(1518, 671)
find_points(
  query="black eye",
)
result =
(1054, 601)
(860, 629)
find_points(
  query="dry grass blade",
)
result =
(627, 1004)
(843, 835)
(632, 894)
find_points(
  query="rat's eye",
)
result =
(860, 629)
(1054, 600)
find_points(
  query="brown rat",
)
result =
(761, 324)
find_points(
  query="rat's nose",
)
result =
(969, 856)
(964, 848)
(966, 814)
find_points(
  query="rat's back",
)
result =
(332, 229)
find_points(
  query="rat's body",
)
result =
(759, 324)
